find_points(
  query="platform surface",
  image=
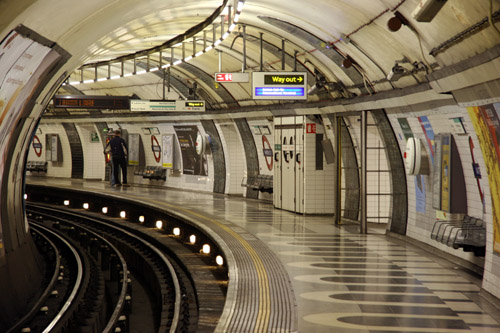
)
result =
(342, 281)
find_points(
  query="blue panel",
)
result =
(279, 91)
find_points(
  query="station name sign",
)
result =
(279, 85)
(91, 102)
(138, 105)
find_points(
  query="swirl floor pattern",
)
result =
(344, 281)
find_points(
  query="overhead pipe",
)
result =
(261, 52)
(283, 54)
(222, 24)
(295, 60)
(168, 79)
(244, 67)
(164, 77)
(220, 60)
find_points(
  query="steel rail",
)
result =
(77, 285)
(153, 248)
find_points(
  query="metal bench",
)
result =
(468, 234)
(262, 183)
(154, 172)
(36, 166)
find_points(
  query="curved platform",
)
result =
(292, 273)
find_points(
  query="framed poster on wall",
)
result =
(133, 149)
(168, 151)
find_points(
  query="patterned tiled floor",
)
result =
(343, 281)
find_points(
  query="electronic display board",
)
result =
(91, 102)
(279, 85)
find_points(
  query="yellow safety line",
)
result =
(264, 314)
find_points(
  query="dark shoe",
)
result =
(126, 185)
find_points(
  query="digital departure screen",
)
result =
(92, 102)
(279, 92)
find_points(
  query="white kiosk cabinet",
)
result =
(303, 181)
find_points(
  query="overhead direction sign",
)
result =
(279, 85)
(232, 77)
(280, 79)
(166, 106)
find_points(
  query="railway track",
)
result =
(92, 292)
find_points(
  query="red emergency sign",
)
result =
(224, 77)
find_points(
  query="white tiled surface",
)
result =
(419, 224)
(234, 157)
(319, 184)
(92, 152)
(62, 168)
(377, 182)
(263, 168)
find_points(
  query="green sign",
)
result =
(277, 147)
(405, 126)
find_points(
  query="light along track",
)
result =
(170, 311)
(64, 252)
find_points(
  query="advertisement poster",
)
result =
(24, 63)
(192, 163)
(133, 149)
(168, 151)
(429, 134)
(420, 195)
(445, 172)
(487, 127)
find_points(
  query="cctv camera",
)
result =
(396, 73)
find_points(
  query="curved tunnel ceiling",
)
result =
(319, 36)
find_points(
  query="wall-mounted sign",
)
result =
(457, 125)
(268, 152)
(166, 106)
(279, 85)
(94, 137)
(311, 128)
(155, 148)
(232, 77)
(91, 102)
(150, 130)
(37, 146)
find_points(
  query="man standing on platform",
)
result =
(119, 152)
